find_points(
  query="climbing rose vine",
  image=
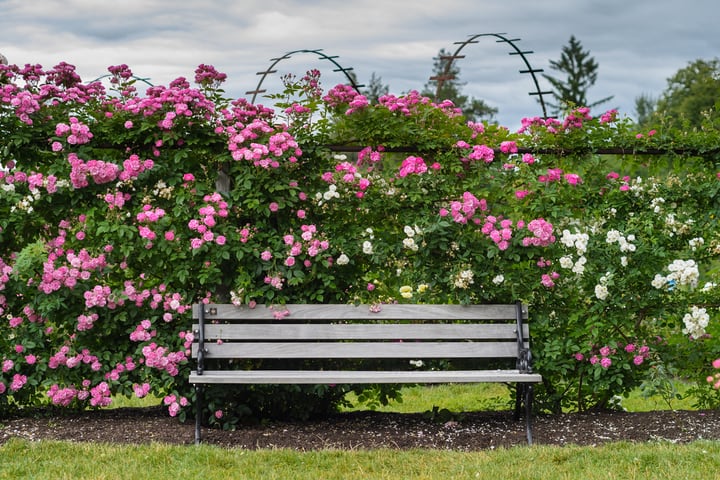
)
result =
(121, 208)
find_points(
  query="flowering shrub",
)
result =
(118, 210)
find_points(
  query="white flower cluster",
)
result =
(342, 259)
(367, 245)
(601, 289)
(577, 240)
(696, 243)
(657, 203)
(409, 241)
(625, 243)
(675, 226)
(498, 279)
(695, 322)
(577, 267)
(328, 195)
(464, 279)
(26, 203)
(682, 273)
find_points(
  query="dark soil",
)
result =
(370, 430)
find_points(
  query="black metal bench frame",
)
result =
(396, 331)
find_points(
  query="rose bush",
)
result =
(118, 210)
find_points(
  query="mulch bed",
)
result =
(369, 430)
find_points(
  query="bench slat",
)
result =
(361, 350)
(361, 377)
(413, 331)
(361, 312)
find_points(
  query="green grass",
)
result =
(64, 460)
(468, 397)
(21, 459)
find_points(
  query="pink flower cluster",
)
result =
(86, 322)
(100, 395)
(100, 296)
(415, 165)
(406, 105)
(114, 374)
(374, 156)
(25, 104)
(602, 356)
(76, 133)
(133, 167)
(341, 95)
(502, 235)
(349, 174)
(265, 156)
(100, 171)
(62, 359)
(462, 211)
(79, 267)
(174, 404)
(715, 379)
(207, 75)
(307, 244)
(159, 357)
(142, 332)
(528, 124)
(479, 152)
(542, 231)
(625, 185)
(577, 118)
(214, 207)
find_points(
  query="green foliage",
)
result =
(690, 100)
(120, 210)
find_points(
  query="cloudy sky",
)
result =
(638, 44)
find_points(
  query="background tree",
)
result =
(580, 70)
(645, 108)
(375, 88)
(691, 95)
(446, 76)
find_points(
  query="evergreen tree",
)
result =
(375, 89)
(580, 71)
(445, 85)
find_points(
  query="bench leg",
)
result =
(198, 412)
(528, 411)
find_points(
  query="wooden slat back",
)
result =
(349, 331)
(360, 350)
(340, 312)
(360, 331)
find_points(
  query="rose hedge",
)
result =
(118, 210)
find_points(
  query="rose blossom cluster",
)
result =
(76, 133)
(214, 207)
(348, 174)
(603, 355)
(477, 153)
(78, 267)
(159, 357)
(462, 211)
(262, 155)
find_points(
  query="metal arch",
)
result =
(317, 52)
(107, 75)
(447, 75)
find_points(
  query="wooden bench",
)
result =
(388, 332)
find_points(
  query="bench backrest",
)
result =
(349, 331)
